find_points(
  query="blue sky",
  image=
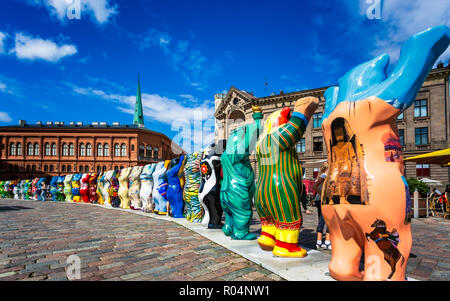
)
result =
(53, 68)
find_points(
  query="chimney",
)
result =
(440, 65)
(79, 123)
(281, 92)
(116, 123)
(22, 122)
(49, 123)
(39, 122)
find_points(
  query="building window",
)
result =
(99, 150)
(148, 152)
(28, 168)
(69, 168)
(88, 150)
(400, 116)
(116, 150)
(19, 149)
(86, 168)
(104, 168)
(301, 146)
(132, 147)
(54, 149)
(80, 168)
(317, 144)
(71, 149)
(123, 149)
(63, 168)
(51, 168)
(420, 108)
(106, 149)
(47, 149)
(423, 170)
(116, 168)
(99, 169)
(45, 168)
(155, 153)
(30, 149)
(121, 167)
(33, 168)
(82, 150)
(36, 149)
(12, 151)
(65, 149)
(421, 136)
(141, 150)
(401, 136)
(317, 117)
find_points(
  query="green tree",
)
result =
(422, 187)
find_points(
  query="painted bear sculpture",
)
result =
(192, 176)
(68, 188)
(114, 189)
(84, 187)
(279, 185)
(16, 191)
(123, 187)
(238, 184)
(209, 191)
(106, 187)
(175, 184)
(34, 188)
(366, 200)
(146, 191)
(93, 197)
(76, 196)
(160, 187)
(100, 183)
(135, 186)
(60, 197)
(54, 187)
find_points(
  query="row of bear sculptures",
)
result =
(365, 198)
(187, 186)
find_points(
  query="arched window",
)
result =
(123, 149)
(99, 169)
(65, 149)
(82, 150)
(116, 168)
(80, 168)
(63, 168)
(141, 150)
(69, 168)
(36, 149)
(12, 151)
(106, 149)
(99, 150)
(51, 168)
(71, 149)
(116, 150)
(121, 167)
(156, 153)
(86, 168)
(148, 152)
(19, 149)
(104, 168)
(30, 149)
(47, 149)
(28, 167)
(33, 168)
(54, 149)
(88, 150)
(45, 168)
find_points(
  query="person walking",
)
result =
(317, 201)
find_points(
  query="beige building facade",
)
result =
(423, 127)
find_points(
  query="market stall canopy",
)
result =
(438, 157)
(431, 181)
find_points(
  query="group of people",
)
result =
(442, 198)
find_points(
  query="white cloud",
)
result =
(406, 18)
(4, 117)
(2, 42)
(99, 10)
(184, 58)
(30, 48)
(2, 87)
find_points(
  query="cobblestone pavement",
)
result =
(37, 237)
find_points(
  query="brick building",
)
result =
(54, 148)
(423, 127)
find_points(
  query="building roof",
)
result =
(138, 112)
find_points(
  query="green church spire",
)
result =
(138, 112)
